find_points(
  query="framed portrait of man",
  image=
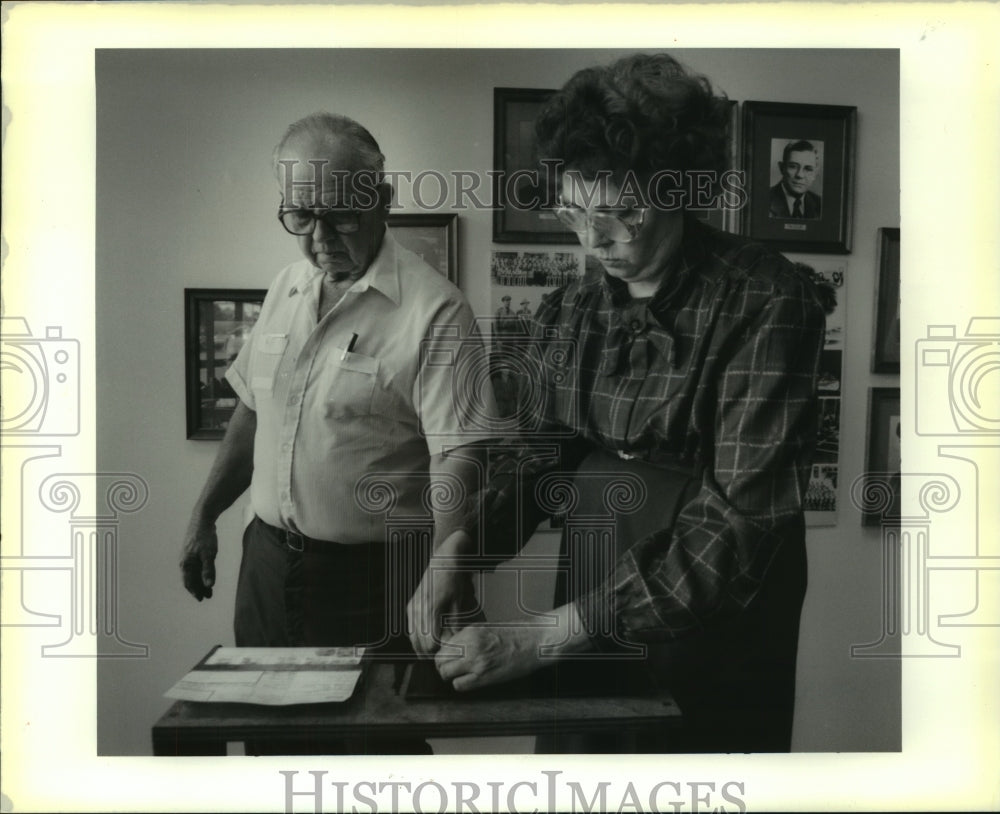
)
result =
(799, 161)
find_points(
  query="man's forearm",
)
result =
(459, 469)
(232, 469)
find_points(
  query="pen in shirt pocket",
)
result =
(350, 347)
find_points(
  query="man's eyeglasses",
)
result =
(619, 225)
(300, 221)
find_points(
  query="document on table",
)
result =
(304, 657)
(273, 676)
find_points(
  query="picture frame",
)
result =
(885, 336)
(727, 218)
(883, 456)
(217, 322)
(431, 236)
(519, 281)
(819, 143)
(519, 215)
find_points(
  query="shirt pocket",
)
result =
(269, 352)
(352, 385)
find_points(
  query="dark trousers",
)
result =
(734, 681)
(312, 593)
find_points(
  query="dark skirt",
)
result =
(733, 680)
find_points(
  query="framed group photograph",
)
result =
(885, 340)
(518, 282)
(800, 162)
(726, 218)
(217, 322)
(431, 236)
(883, 458)
(520, 182)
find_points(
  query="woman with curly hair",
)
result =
(679, 386)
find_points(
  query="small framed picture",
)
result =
(883, 461)
(885, 344)
(431, 236)
(523, 189)
(217, 322)
(800, 163)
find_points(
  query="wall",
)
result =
(185, 199)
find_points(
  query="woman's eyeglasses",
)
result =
(619, 225)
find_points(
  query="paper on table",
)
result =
(285, 657)
(273, 688)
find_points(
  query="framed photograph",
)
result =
(520, 184)
(722, 217)
(519, 280)
(885, 344)
(800, 164)
(883, 457)
(217, 321)
(431, 236)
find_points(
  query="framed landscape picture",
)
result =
(432, 237)
(217, 322)
(800, 163)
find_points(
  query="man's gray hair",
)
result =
(326, 129)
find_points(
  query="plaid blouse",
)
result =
(717, 371)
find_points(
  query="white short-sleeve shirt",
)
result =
(330, 420)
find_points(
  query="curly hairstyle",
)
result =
(643, 113)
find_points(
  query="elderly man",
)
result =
(792, 197)
(341, 381)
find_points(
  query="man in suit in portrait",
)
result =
(791, 196)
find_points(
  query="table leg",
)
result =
(171, 743)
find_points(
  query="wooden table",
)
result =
(379, 709)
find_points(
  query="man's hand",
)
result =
(228, 479)
(446, 589)
(198, 560)
(478, 655)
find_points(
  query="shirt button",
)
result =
(285, 447)
(635, 326)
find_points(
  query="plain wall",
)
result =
(185, 198)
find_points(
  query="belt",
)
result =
(660, 459)
(295, 541)
(291, 540)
